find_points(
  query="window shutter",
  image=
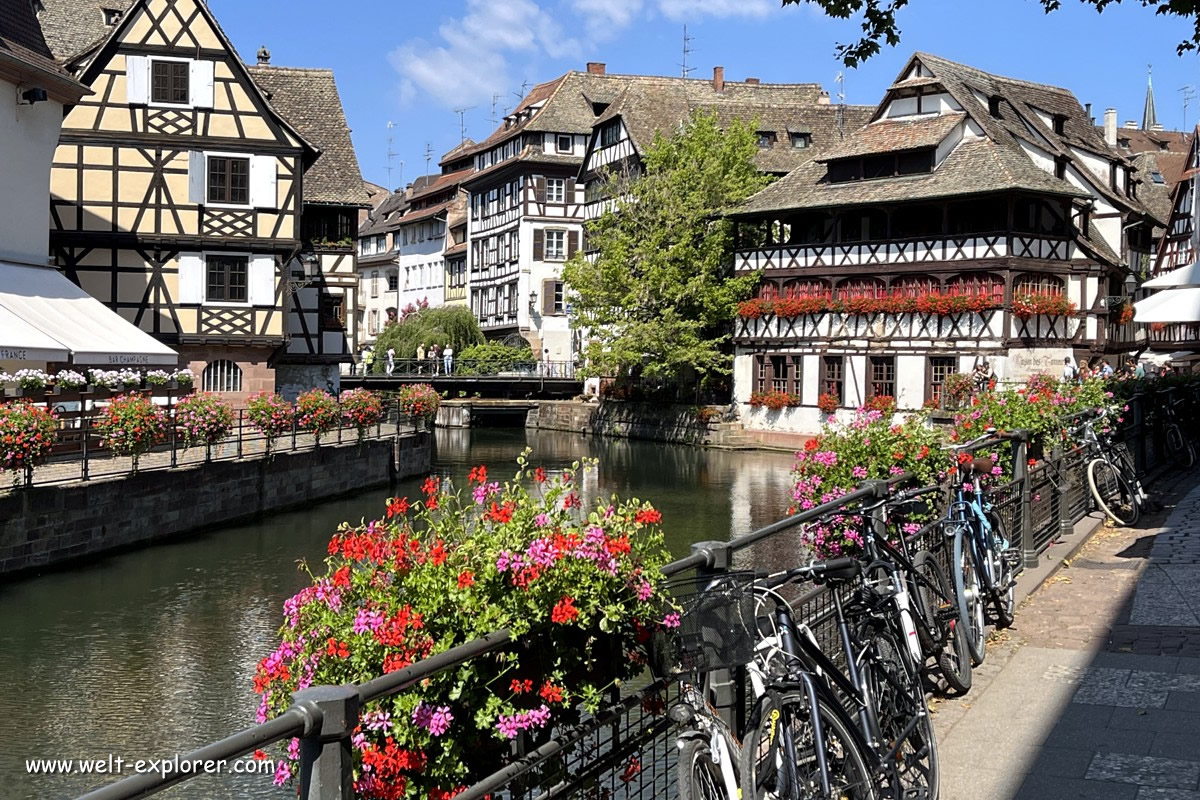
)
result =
(539, 190)
(263, 193)
(191, 278)
(137, 79)
(262, 280)
(572, 242)
(538, 249)
(548, 297)
(200, 84)
(569, 196)
(196, 177)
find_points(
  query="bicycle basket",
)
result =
(716, 630)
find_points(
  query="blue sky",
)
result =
(413, 63)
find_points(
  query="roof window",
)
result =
(994, 105)
(801, 140)
(1157, 177)
(766, 138)
(111, 15)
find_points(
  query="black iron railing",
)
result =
(626, 749)
(466, 368)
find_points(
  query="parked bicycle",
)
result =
(1111, 476)
(983, 562)
(1179, 446)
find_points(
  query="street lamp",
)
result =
(1131, 284)
(532, 300)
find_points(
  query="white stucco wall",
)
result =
(28, 136)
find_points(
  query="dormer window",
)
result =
(766, 139)
(883, 165)
(1123, 142)
(111, 16)
(1164, 146)
(994, 105)
(800, 141)
(1060, 124)
(1060, 167)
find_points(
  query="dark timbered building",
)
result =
(973, 217)
(179, 193)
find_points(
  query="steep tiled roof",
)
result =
(439, 183)
(529, 155)
(308, 99)
(72, 26)
(892, 136)
(1170, 149)
(994, 162)
(23, 44)
(466, 147)
(1157, 196)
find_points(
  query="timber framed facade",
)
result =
(179, 195)
(973, 217)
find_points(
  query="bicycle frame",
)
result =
(708, 724)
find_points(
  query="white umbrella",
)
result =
(1182, 355)
(1183, 276)
(1169, 305)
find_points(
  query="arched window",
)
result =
(1037, 283)
(857, 288)
(809, 288)
(768, 290)
(914, 285)
(983, 283)
(222, 376)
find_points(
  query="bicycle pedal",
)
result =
(1012, 557)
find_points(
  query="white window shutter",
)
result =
(262, 280)
(137, 79)
(191, 278)
(196, 177)
(200, 84)
(262, 182)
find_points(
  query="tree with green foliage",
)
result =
(445, 325)
(879, 21)
(492, 358)
(659, 297)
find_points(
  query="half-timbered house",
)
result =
(1177, 249)
(973, 217)
(177, 191)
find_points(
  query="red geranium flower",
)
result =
(520, 687)
(539, 475)
(477, 474)
(397, 506)
(466, 578)
(564, 611)
(648, 516)
(551, 693)
(430, 486)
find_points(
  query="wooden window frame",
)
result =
(836, 385)
(801, 141)
(558, 140)
(554, 255)
(610, 134)
(875, 384)
(222, 166)
(169, 83)
(935, 379)
(227, 265)
(559, 196)
(333, 312)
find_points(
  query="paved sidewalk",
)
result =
(1095, 692)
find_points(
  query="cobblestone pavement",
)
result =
(1095, 691)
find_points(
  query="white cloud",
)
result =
(691, 9)
(453, 78)
(605, 18)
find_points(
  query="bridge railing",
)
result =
(468, 368)
(626, 749)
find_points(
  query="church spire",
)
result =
(1149, 118)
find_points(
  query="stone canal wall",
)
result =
(49, 525)
(677, 424)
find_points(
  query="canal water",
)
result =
(151, 653)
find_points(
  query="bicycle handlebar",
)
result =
(978, 440)
(844, 567)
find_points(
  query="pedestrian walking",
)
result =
(391, 360)
(448, 358)
(1070, 372)
(433, 356)
(421, 357)
(368, 360)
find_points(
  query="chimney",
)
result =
(823, 100)
(718, 79)
(753, 81)
(1130, 123)
(264, 55)
(1110, 127)
(1087, 109)
(595, 67)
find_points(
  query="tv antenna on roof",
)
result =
(495, 101)
(685, 70)
(428, 155)
(841, 107)
(1188, 92)
(390, 154)
(462, 122)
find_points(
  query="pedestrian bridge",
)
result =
(540, 379)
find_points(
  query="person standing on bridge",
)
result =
(368, 359)
(421, 357)
(433, 356)
(391, 360)
(448, 358)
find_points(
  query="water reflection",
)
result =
(151, 653)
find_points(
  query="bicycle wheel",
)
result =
(1112, 492)
(909, 751)
(968, 595)
(1178, 446)
(948, 648)
(699, 776)
(765, 775)
(1004, 592)
(1189, 454)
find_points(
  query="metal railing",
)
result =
(626, 748)
(466, 368)
(79, 452)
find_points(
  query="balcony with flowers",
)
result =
(1042, 310)
(915, 307)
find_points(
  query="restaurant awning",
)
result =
(45, 317)
(1188, 275)
(1169, 305)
